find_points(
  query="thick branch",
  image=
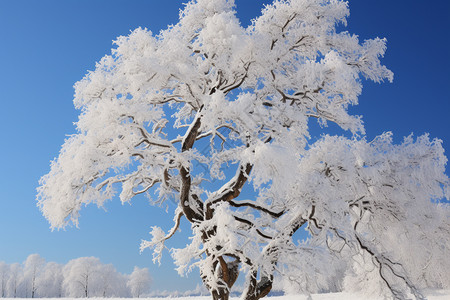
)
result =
(188, 143)
(232, 189)
(295, 225)
(258, 289)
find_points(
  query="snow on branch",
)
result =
(159, 238)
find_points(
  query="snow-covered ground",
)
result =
(431, 295)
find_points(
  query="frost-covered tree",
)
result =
(15, 280)
(207, 108)
(81, 276)
(33, 267)
(111, 283)
(4, 276)
(50, 281)
(139, 282)
(88, 277)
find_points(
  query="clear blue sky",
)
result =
(48, 45)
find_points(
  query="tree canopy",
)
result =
(207, 108)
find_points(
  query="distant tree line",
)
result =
(81, 277)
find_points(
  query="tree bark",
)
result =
(258, 289)
(221, 294)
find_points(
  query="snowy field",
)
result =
(431, 295)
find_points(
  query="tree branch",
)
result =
(384, 262)
(257, 207)
(187, 144)
(232, 188)
(249, 223)
(175, 227)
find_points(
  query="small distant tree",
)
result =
(139, 282)
(50, 281)
(111, 282)
(4, 276)
(207, 109)
(81, 276)
(15, 280)
(33, 267)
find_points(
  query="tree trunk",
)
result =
(258, 289)
(86, 281)
(33, 286)
(221, 294)
(229, 272)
